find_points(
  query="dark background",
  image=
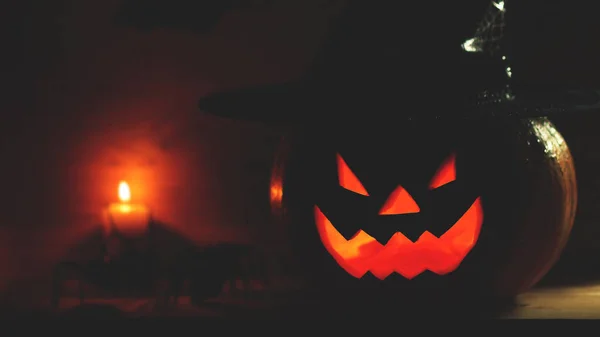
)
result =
(87, 101)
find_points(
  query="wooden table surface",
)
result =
(565, 302)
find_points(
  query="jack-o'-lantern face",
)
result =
(363, 253)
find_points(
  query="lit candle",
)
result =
(126, 217)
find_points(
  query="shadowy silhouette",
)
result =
(157, 264)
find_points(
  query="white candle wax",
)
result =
(129, 219)
(125, 217)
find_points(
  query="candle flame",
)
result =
(124, 192)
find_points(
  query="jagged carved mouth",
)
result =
(441, 255)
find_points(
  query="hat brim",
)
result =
(300, 103)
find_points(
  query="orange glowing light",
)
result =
(348, 179)
(276, 193)
(445, 174)
(399, 202)
(126, 217)
(124, 192)
(362, 253)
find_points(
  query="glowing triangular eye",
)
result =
(399, 202)
(445, 174)
(348, 179)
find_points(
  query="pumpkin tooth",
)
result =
(356, 234)
(398, 236)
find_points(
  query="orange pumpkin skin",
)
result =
(518, 172)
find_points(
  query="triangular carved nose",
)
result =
(399, 202)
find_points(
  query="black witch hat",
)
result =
(425, 61)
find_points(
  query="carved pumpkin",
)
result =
(363, 253)
(472, 208)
